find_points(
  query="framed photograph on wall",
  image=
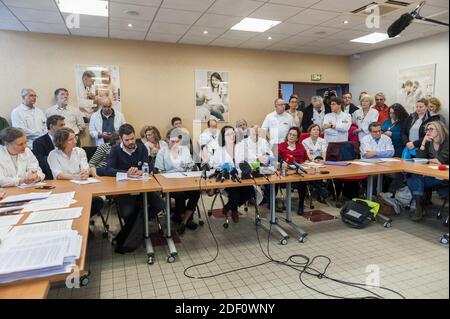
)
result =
(94, 82)
(211, 95)
(415, 83)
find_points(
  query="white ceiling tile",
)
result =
(353, 21)
(118, 10)
(91, 21)
(290, 28)
(438, 3)
(177, 16)
(341, 5)
(429, 11)
(320, 32)
(195, 40)
(313, 17)
(46, 27)
(48, 5)
(169, 28)
(127, 34)
(282, 46)
(162, 37)
(150, 3)
(90, 32)
(122, 24)
(238, 8)
(275, 37)
(275, 12)
(300, 40)
(217, 20)
(255, 44)
(11, 24)
(34, 15)
(190, 5)
(239, 35)
(5, 13)
(226, 42)
(296, 3)
(347, 35)
(212, 32)
(327, 42)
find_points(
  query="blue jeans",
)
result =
(418, 183)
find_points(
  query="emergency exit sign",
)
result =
(316, 77)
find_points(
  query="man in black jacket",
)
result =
(43, 145)
(128, 157)
(316, 107)
(348, 106)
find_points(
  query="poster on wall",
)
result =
(94, 82)
(415, 83)
(211, 95)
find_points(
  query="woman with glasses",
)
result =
(67, 161)
(293, 149)
(177, 158)
(241, 130)
(393, 127)
(364, 116)
(434, 147)
(224, 160)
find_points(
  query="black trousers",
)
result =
(97, 205)
(129, 205)
(181, 206)
(238, 196)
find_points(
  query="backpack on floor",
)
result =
(132, 235)
(358, 213)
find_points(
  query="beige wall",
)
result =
(157, 79)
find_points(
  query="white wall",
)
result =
(377, 70)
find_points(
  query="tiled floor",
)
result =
(407, 256)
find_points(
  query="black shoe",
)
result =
(235, 217)
(322, 200)
(191, 225)
(181, 229)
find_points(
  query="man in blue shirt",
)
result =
(376, 144)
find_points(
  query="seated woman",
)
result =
(435, 148)
(226, 154)
(18, 165)
(174, 158)
(292, 147)
(67, 161)
(152, 140)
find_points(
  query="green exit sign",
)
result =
(316, 77)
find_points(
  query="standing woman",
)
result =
(434, 108)
(67, 161)
(394, 125)
(18, 165)
(297, 116)
(177, 157)
(292, 147)
(435, 148)
(414, 129)
(226, 154)
(364, 116)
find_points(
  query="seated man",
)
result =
(376, 144)
(128, 157)
(43, 145)
(253, 148)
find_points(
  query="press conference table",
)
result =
(38, 288)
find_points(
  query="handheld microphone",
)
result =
(215, 174)
(291, 161)
(246, 170)
(225, 172)
(205, 169)
(235, 175)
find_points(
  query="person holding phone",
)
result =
(18, 165)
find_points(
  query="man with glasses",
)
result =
(277, 124)
(381, 107)
(28, 117)
(105, 122)
(348, 106)
(376, 144)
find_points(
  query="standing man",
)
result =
(43, 145)
(348, 106)
(104, 122)
(337, 123)
(72, 115)
(381, 107)
(29, 118)
(277, 125)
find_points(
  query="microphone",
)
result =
(291, 161)
(246, 170)
(205, 169)
(399, 25)
(235, 175)
(215, 174)
(225, 172)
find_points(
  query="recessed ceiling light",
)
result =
(205, 32)
(89, 7)
(255, 25)
(345, 22)
(131, 12)
(269, 38)
(130, 25)
(372, 38)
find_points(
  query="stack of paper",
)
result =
(10, 220)
(53, 215)
(90, 180)
(4, 231)
(55, 201)
(25, 197)
(38, 255)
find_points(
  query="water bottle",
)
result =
(145, 171)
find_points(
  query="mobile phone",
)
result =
(45, 187)
(324, 172)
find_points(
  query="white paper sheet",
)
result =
(390, 160)
(41, 228)
(90, 180)
(362, 163)
(10, 220)
(182, 174)
(10, 209)
(25, 197)
(53, 215)
(25, 186)
(4, 231)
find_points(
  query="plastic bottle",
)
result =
(145, 171)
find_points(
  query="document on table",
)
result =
(182, 174)
(9, 209)
(25, 186)
(90, 180)
(54, 201)
(10, 220)
(53, 215)
(41, 228)
(390, 160)
(4, 231)
(362, 163)
(25, 197)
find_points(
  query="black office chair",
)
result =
(90, 151)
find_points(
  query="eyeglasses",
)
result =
(293, 134)
(430, 129)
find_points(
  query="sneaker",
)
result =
(191, 225)
(235, 216)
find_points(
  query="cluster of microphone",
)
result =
(225, 172)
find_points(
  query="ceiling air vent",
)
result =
(384, 8)
(398, 3)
